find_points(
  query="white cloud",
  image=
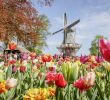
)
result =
(95, 21)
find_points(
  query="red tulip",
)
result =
(60, 81)
(40, 75)
(80, 84)
(38, 65)
(52, 68)
(86, 82)
(12, 61)
(12, 46)
(22, 69)
(105, 49)
(50, 78)
(47, 58)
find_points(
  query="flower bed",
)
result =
(46, 77)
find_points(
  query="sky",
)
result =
(94, 18)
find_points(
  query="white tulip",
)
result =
(11, 83)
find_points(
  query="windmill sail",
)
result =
(66, 28)
(57, 31)
(65, 33)
(68, 47)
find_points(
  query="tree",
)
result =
(94, 50)
(20, 19)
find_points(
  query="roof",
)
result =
(21, 49)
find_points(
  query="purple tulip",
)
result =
(24, 56)
(99, 59)
(14, 69)
(84, 59)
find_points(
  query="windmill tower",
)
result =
(68, 47)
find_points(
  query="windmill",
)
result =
(68, 46)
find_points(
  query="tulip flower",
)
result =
(52, 68)
(12, 46)
(50, 78)
(70, 71)
(1, 64)
(33, 55)
(34, 68)
(35, 61)
(39, 94)
(22, 69)
(24, 56)
(15, 56)
(105, 49)
(24, 62)
(47, 58)
(84, 59)
(86, 82)
(38, 65)
(55, 56)
(106, 65)
(2, 87)
(99, 59)
(60, 63)
(12, 61)
(60, 81)
(14, 69)
(40, 75)
(11, 83)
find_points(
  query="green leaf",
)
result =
(94, 95)
(11, 94)
(9, 72)
(100, 92)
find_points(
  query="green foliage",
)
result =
(94, 50)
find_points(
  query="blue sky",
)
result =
(94, 18)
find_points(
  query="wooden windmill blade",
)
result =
(65, 20)
(65, 24)
(73, 24)
(58, 31)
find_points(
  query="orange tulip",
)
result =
(47, 58)
(33, 54)
(12, 46)
(2, 87)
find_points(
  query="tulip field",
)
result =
(35, 76)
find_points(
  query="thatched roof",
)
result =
(21, 49)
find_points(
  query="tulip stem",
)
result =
(100, 92)
(68, 96)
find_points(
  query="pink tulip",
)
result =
(105, 49)
(86, 82)
(90, 78)
(84, 59)
(14, 69)
(99, 59)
